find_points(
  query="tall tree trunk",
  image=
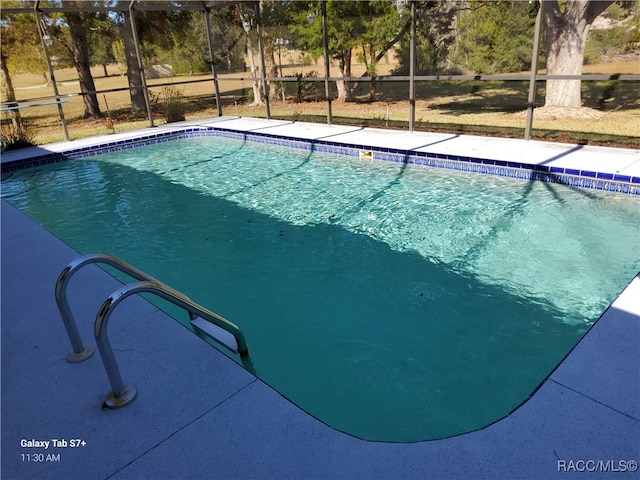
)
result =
(77, 24)
(565, 37)
(372, 89)
(133, 70)
(267, 50)
(9, 94)
(345, 93)
(370, 69)
(255, 82)
(269, 63)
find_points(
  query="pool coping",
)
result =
(559, 163)
(585, 416)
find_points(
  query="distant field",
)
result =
(471, 107)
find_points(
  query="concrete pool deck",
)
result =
(200, 415)
(615, 161)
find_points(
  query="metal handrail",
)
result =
(81, 352)
(121, 394)
(31, 105)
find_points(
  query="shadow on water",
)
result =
(372, 198)
(231, 155)
(381, 344)
(516, 210)
(304, 162)
(243, 144)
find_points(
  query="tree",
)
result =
(101, 52)
(495, 37)
(154, 33)
(9, 94)
(21, 45)
(102, 35)
(255, 83)
(11, 38)
(381, 31)
(566, 26)
(435, 32)
(189, 50)
(227, 39)
(366, 27)
(190, 44)
(271, 14)
(78, 26)
(134, 77)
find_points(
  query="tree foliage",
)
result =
(21, 45)
(435, 32)
(101, 37)
(367, 28)
(622, 37)
(495, 37)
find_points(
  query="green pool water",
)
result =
(393, 302)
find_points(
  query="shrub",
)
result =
(301, 89)
(172, 104)
(604, 44)
(616, 11)
(15, 137)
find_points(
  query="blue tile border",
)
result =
(583, 179)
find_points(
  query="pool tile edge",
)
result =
(571, 177)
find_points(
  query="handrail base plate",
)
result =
(113, 402)
(74, 357)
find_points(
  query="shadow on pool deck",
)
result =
(200, 415)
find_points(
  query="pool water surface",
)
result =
(392, 301)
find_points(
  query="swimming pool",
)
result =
(392, 301)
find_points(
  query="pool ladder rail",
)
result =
(206, 323)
